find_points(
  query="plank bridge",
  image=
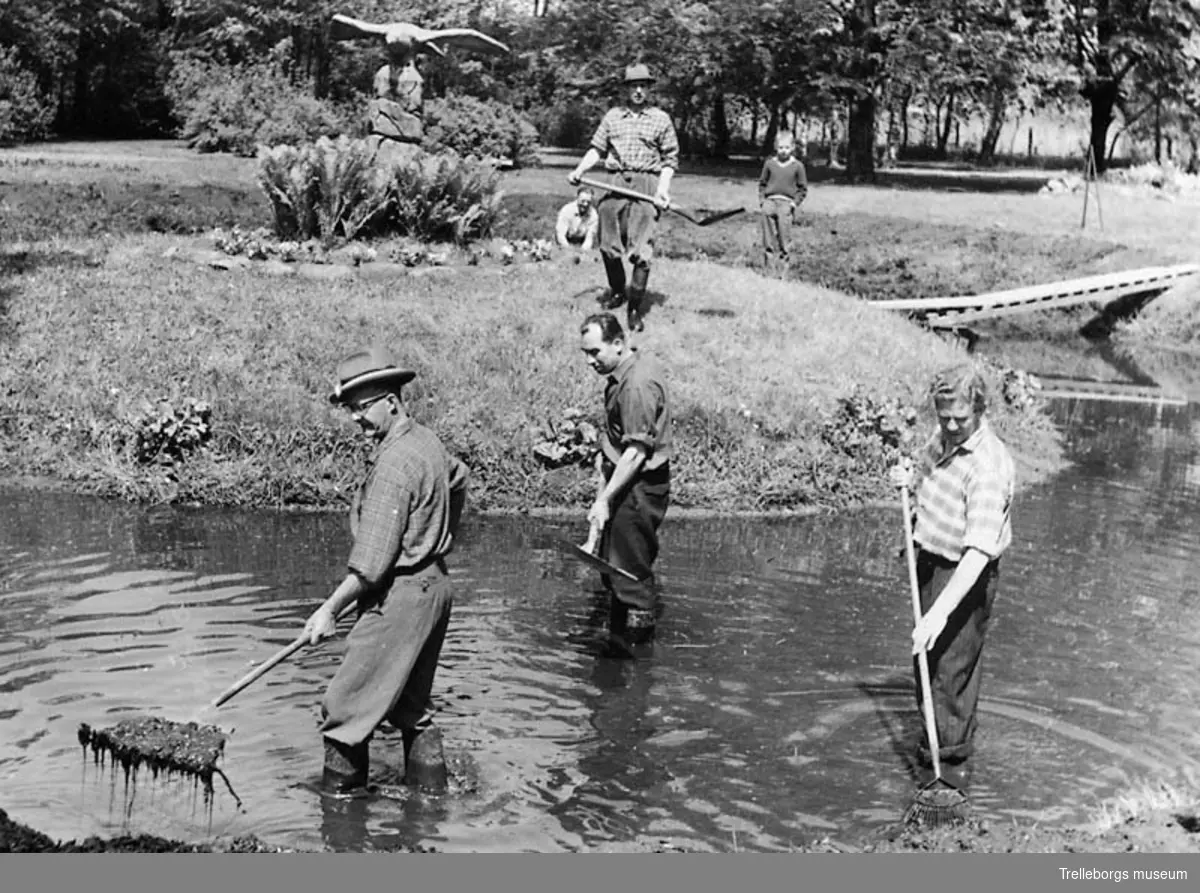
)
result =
(1120, 293)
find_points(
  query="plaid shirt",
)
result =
(402, 515)
(964, 498)
(636, 411)
(643, 142)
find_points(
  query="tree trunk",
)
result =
(904, 120)
(754, 123)
(1158, 134)
(768, 142)
(1103, 100)
(720, 127)
(995, 123)
(860, 143)
(943, 136)
(321, 60)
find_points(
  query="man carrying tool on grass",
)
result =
(634, 473)
(641, 151)
(403, 521)
(963, 482)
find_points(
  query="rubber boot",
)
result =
(614, 270)
(425, 759)
(637, 297)
(639, 626)
(346, 766)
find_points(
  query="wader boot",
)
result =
(629, 627)
(614, 270)
(346, 766)
(637, 297)
(424, 759)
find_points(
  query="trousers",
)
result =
(631, 539)
(627, 230)
(955, 660)
(777, 214)
(391, 658)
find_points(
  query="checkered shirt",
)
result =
(964, 498)
(643, 142)
(401, 516)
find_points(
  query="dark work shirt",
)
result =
(636, 410)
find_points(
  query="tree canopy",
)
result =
(731, 72)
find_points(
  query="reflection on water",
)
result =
(776, 706)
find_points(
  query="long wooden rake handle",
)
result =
(922, 658)
(633, 193)
(279, 657)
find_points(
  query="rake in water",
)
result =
(184, 748)
(938, 802)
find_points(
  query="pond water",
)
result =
(774, 708)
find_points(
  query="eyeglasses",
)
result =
(360, 407)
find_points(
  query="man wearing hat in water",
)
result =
(403, 522)
(641, 151)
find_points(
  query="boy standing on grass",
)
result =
(782, 186)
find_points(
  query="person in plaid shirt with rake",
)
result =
(641, 152)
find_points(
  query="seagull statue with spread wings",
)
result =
(412, 39)
(396, 112)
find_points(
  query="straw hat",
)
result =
(638, 74)
(373, 365)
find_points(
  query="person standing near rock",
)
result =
(641, 152)
(403, 521)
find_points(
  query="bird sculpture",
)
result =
(411, 39)
(396, 117)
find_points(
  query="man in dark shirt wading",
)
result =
(403, 522)
(634, 469)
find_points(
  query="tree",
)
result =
(1116, 43)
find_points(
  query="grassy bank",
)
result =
(758, 368)
(785, 391)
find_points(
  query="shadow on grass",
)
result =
(44, 210)
(16, 262)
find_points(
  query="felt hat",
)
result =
(638, 74)
(373, 365)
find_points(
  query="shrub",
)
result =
(333, 189)
(444, 198)
(326, 190)
(484, 128)
(166, 432)
(237, 108)
(25, 113)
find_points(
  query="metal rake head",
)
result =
(936, 805)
